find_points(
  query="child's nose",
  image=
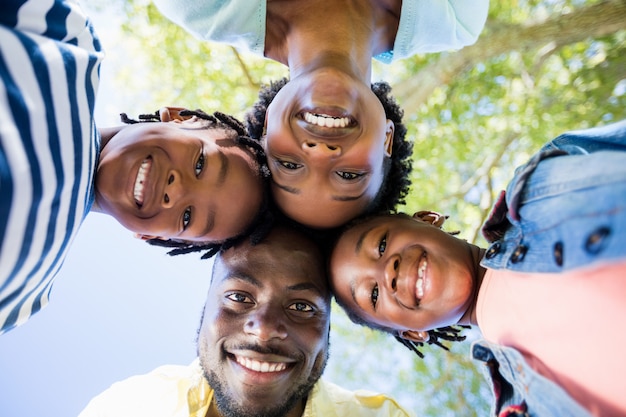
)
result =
(173, 190)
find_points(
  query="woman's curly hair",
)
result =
(397, 168)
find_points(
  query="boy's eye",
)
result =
(302, 307)
(186, 217)
(199, 164)
(290, 165)
(374, 296)
(382, 245)
(345, 175)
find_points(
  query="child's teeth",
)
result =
(139, 181)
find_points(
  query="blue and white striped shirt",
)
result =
(49, 65)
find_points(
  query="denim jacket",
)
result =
(519, 391)
(565, 208)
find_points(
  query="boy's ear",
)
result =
(169, 114)
(418, 336)
(432, 217)
(389, 137)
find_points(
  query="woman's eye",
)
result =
(382, 245)
(199, 164)
(186, 217)
(374, 296)
(289, 165)
(239, 298)
(302, 307)
(345, 175)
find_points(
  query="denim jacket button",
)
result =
(558, 253)
(597, 240)
(519, 253)
(493, 250)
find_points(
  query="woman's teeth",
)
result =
(326, 121)
(138, 191)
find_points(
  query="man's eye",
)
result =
(374, 296)
(345, 175)
(239, 298)
(290, 165)
(186, 217)
(302, 307)
(199, 164)
(382, 245)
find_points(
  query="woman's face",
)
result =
(403, 274)
(326, 139)
(178, 180)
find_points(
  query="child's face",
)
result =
(403, 274)
(178, 180)
(323, 176)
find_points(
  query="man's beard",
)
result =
(229, 407)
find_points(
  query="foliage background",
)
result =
(540, 68)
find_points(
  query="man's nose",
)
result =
(174, 190)
(266, 323)
(321, 149)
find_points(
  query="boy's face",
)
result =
(403, 274)
(263, 342)
(178, 180)
(323, 176)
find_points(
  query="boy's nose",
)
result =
(391, 273)
(173, 190)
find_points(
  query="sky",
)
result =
(118, 307)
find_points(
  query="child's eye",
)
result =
(301, 307)
(186, 217)
(290, 165)
(199, 164)
(374, 296)
(345, 175)
(382, 245)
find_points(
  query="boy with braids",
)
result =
(548, 286)
(190, 181)
(333, 147)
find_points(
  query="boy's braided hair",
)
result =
(397, 168)
(262, 223)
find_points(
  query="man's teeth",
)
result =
(419, 285)
(326, 121)
(140, 180)
(261, 366)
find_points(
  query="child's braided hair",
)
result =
(262, 223)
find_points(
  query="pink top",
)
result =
(569, 327)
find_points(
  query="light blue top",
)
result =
(425, 25)
(49, 67)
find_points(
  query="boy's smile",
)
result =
(178, 180)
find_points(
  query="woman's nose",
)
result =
(321, 149)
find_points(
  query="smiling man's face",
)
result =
(263, 341)
(178, 180)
